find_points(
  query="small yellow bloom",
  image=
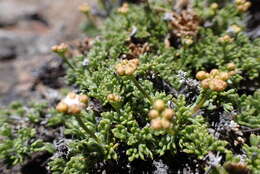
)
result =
(124, 8)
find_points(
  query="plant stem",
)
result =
(67, 62)
(92, 135)
(199, 102)
(141, 89)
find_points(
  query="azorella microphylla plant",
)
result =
(142, 110)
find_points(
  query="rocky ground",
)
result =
(28, 29)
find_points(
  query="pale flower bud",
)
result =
(74, 109)
(156, 124)
(168, 114)
(214, 72)
(159, 105)
(223, 76)
(153, 114)
(231, 66)
(201, 75)
(165, 124)
(62, 107)
(205, 83)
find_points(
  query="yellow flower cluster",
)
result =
(72, 103)
(235, 28)
(214, 6)
(160, 115)
(123, 9)
(187, 41)
(242, 5)
(216, 80)
(225, 39)
(60, 49)
(113, 98)
(84, 8)
(127, 67)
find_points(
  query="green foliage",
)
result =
(219, 19)
(209, 53)
(253, 153)
(250, 110)
(57, 165)
(18, 135)
(195, 139)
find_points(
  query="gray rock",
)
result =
(13, 11)
(13, 44)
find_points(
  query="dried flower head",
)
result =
(73, 103)
(186, 23)
(138, 49)
(84, 45)
(240, 168)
